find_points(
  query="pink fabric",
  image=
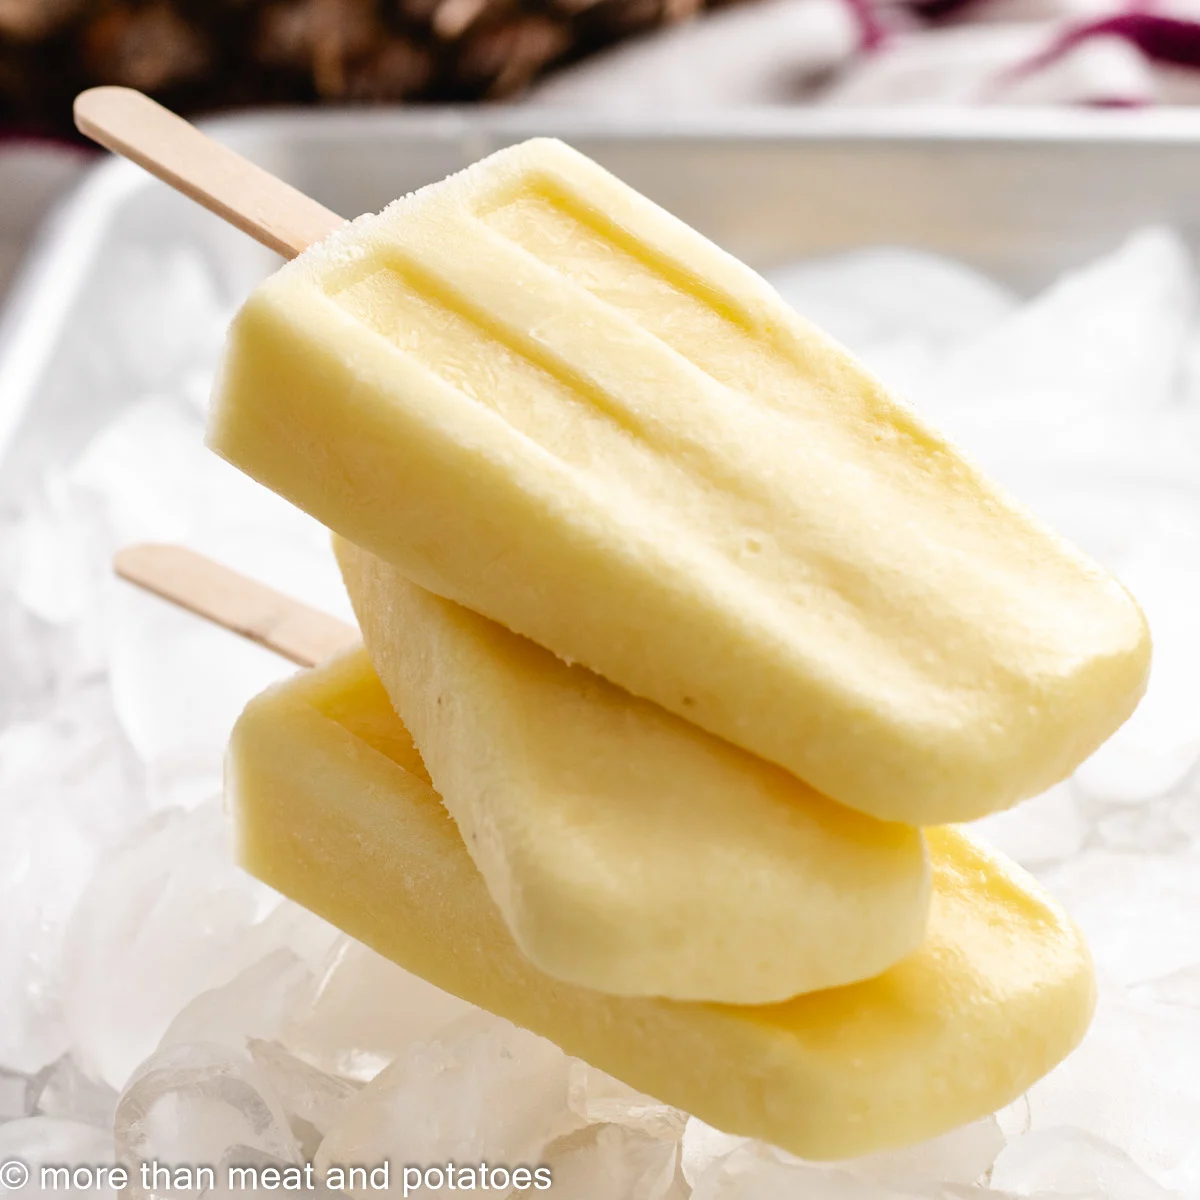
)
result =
(1120, 53)
(874, 30)
(1160, 38)
(1104, 53)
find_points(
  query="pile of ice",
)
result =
(158, 1005)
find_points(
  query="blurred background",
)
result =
(200, 55)
(608, 55)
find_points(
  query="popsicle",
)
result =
(626, 849)
(333, 807)
(544, 398)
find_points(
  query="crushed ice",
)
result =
(157, 1003)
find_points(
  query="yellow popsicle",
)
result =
(334, 809)
(626, 849)
(541, 396)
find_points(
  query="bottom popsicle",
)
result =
(334, 809)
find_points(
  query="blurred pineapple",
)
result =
(199, 55)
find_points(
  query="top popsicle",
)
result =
(541, 396)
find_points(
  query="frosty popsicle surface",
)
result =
(544, 398)
(333, 808)
(626, 849)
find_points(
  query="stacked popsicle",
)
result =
(680, 630)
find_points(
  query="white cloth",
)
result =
(761, 52)
(1125, 53)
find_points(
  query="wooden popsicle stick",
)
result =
(269, 210)
(301, 634)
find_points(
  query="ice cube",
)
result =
(180, 732)
(167, 916)
(1015, 1120)
(1137, 910)
(1109, 338)
(1185, 812)
(1038, 832)
(722, 1167)
(1149, 827)
(1160, 743)
(150, 478)
(1132, 1084)
(483, 1091)
(702, 1146)
(1068, 1162)
(755, 1172)
(1180, 987)
(37, 1142)
(312, 1099)
(188, 1106)
(17, 1094)
(243, 1169)
(147, 477)
(900, 310)
(597, 1098)
(54, 574)
(172, 314)
(40, 663)
(363, 1011)
(65, 795)
(1070, 403)
(65, 1091)
(603, 1161)
(253, 1004)
(962, 1156)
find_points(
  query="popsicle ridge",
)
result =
(543, 398)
